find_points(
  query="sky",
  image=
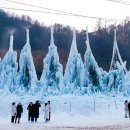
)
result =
(95, 8)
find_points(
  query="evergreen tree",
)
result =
(116, 81)
(26, 77)
(52, 75)
(74, 69)
(117, 69)
(27, 74)
(117, 61)
(92, 75)
(9, 68)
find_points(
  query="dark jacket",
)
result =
(19, 110)
(36, 109)
(129, 106)
(30, 109)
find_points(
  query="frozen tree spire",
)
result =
(74, 41)
(87, 39)
(88, 50)
(115, 41)
(52, 75)
(27, 37)
(27, 74)
(73, 49)
(11, 42)
(74, 68)
(8, 68)
(115, 48)
(91, 69)
(52, 38)
(116, 57)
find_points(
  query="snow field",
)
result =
(70, 111)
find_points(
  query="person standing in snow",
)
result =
(30, 109)
(129, 108)
(46, 112)
(19, 112)
(37, 105)
(49, 106)
(126, 108)
(13, 112)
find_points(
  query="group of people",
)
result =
(33, 112)
(127, 108)
(16, 112)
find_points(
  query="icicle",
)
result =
(88, 50)
(27, 36)
(11, 42)
(74, 41)
(87, 41)
(52, 38)
(115, 35)
(73, 46)
(115, 41)
(87, 38)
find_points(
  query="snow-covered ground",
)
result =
(68, 111)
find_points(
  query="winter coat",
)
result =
(129, 106)
(19, 110)
(36, 109)
(126, 106)
(30, 109)
(13, 110)
(49, 106)
(46, 112)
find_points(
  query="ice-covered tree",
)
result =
(92, 73)
(8, 69)
(117, 69)
(27, 74)
(117, 61)
(115, 80)
(74, 69)
(126, 84)
(52, 75)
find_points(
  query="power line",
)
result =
(29, 10)
(62, 12)
(57, 13)
(40, 7)
(120, 2)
